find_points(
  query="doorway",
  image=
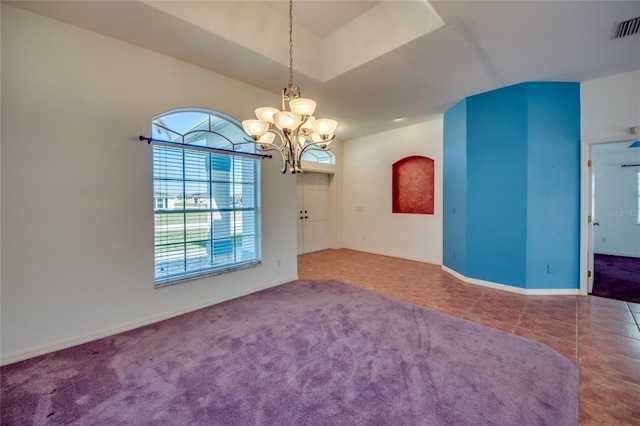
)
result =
(616, 221)
(313, 212)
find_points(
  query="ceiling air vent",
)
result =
(628, 27)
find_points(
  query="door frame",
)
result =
(302, 226)
(335, 202)
(586, 209)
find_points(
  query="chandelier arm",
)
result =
(283, 149)
(312, 146)
(322, 142)
(280, 135)
(318, 145)
(274, 147)
(291, 148)
(294, 154)
(302, 151)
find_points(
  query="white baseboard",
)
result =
(512, 289)
(12, 357)
(396, 255)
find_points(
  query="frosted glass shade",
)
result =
(305, 129)
(286, 120)
(255, 128)
(302, 106)
(266, 139)
(324, 126)
(266, 114)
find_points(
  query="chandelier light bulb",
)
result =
(303, 106)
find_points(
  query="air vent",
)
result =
(628, 27)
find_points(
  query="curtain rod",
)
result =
(630, 165)
(202, 148)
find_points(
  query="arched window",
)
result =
(319, 156)
(206, 196)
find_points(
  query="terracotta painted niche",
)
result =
(413, 185)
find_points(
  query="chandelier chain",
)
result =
(290, 43)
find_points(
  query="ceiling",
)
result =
(368, 62)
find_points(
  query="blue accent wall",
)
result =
(455, 188)
(497, 186)
(553, 186)
(512, 186)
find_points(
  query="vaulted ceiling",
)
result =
(368, 62)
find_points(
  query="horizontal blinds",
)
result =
(207, 212)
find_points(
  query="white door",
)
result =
(313, 212)
(591, 221)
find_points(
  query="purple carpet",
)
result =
(304, 353)
(617, 277)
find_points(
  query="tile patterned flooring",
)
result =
(601, 335)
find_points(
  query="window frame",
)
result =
(240, 251)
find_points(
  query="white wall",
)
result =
(616, 203)
(609, 107)
(77, 218)
(367, 184)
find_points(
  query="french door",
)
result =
(313, 212)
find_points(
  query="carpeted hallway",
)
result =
(617, 277)
(601, 335)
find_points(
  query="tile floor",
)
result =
(601, 335)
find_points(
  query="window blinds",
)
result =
(206, 211)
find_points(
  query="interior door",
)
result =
(313, 212)
(300, 215)
(592, 223)
(614, 202)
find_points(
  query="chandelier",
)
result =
(296, 127)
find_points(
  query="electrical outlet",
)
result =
(278, 263)
(364, 237)
(603, 239)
